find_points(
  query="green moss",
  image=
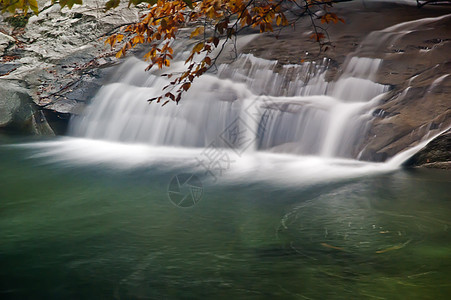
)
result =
(19, 20)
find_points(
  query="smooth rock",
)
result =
(15, 104)
(7, 68)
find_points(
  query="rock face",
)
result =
(415, 45)
(437, 154)
(417, 65)
(18, 112)
(5, 41)
(60, 54)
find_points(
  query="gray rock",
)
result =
(39, 124)
(78, 93)
(83, 91)
(67, 106)
(436, 154)
(15, 105)
(7, 68)
(5, 41)
(62, 48)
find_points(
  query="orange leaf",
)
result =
(197, 31)
(119, 37)
(317, 36)
(186, 86)
(198, 48)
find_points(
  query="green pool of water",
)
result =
(92, 231)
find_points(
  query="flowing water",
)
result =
(289, 110)
(280, 205)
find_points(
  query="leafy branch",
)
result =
(211, 25)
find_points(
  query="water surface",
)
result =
(102, 229)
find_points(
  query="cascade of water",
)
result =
(284, 109)
(266, 111)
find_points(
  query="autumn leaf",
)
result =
(119, 37)
(186, 86)
(136, 2)
(317, 36)
(197, 31)
(198, 47)
(34, 6)
(165, 19)
(70, 3)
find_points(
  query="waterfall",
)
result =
(249, 120)
(289, 109)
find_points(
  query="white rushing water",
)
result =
(291, 110)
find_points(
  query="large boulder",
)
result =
(18, 112)
(417, 66)
(436, 154)
(15, 105)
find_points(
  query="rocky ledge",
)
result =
(415, 45)
(436, 154)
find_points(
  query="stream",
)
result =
(108, 229)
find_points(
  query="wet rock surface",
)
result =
(5, 69)
(437, 154)
(416, 65)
